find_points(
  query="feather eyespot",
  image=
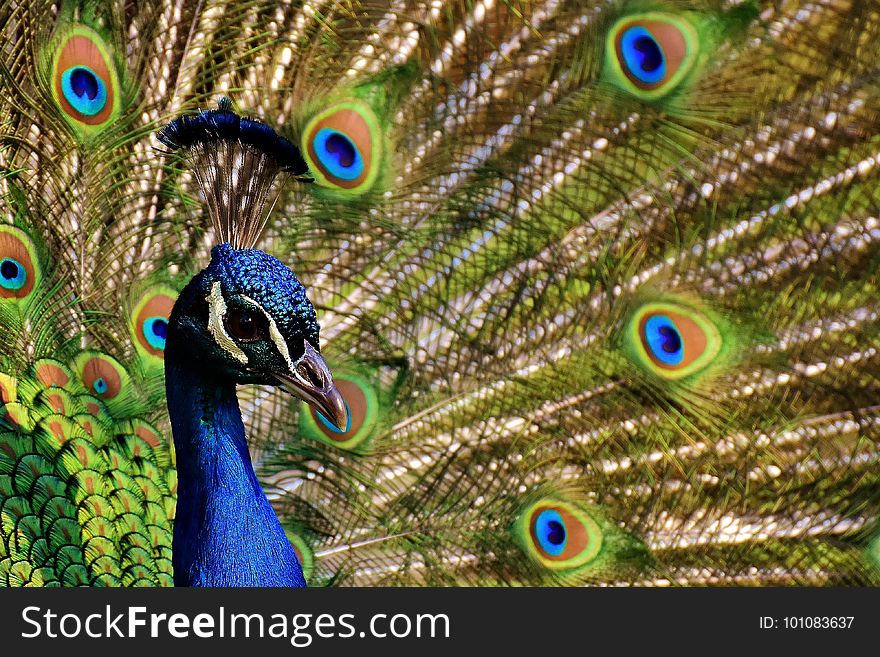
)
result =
(84, 79)
(84, 90)
(550, 532)
(18, 264)
(100, 386)
(674, 341)
(361, 402)
(343, 148)
(149, 323)
(13, 275)
(662, 340)
(559, 535)
(155, 330)
(338, 154)
(651, 53)
(100, 378)
(103, 377)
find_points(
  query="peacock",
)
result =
(565, 292)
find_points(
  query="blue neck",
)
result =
(225, 532)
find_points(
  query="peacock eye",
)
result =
(19, 268)
(338, 154)
(102, 376)
(343, 148)
(84, 90)
(85, 82)
(12, 274)
(244, 326)
(550, 532)
(559, 535)
(663, 340)
(652, 51)
(673, 340)
(155, 330)
(149, 319)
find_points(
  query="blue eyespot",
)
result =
(664, 340)
(84, 90)
(550, 531)
(332, 427)
(155, 331)
(338, 154)
(99, 385)
(642, 55)
(12, 274)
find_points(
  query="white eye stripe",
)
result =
(216, 312)
(274, 333)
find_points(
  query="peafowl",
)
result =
(243, 319)
(566, 292)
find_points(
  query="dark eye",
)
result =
(244, 325)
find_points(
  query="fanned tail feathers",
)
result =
(597, 282)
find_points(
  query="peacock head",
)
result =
(246, 318)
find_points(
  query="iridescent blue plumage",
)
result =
(84, 90)
(12, 275)
(338, 154)
(664, 340)
(244, 319)
(155, 331)
(643, 55)
(226, 533)
(550, 529)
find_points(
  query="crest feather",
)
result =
(235, 161)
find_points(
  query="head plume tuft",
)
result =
(235, 161)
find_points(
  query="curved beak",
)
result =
(311, 382)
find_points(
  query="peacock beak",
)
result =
(311, 381)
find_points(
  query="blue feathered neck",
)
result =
(225, 532)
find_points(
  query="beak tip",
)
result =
(342, 424)
(339, 411)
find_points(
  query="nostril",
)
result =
(311, 374)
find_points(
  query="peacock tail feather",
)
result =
(597, 281)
